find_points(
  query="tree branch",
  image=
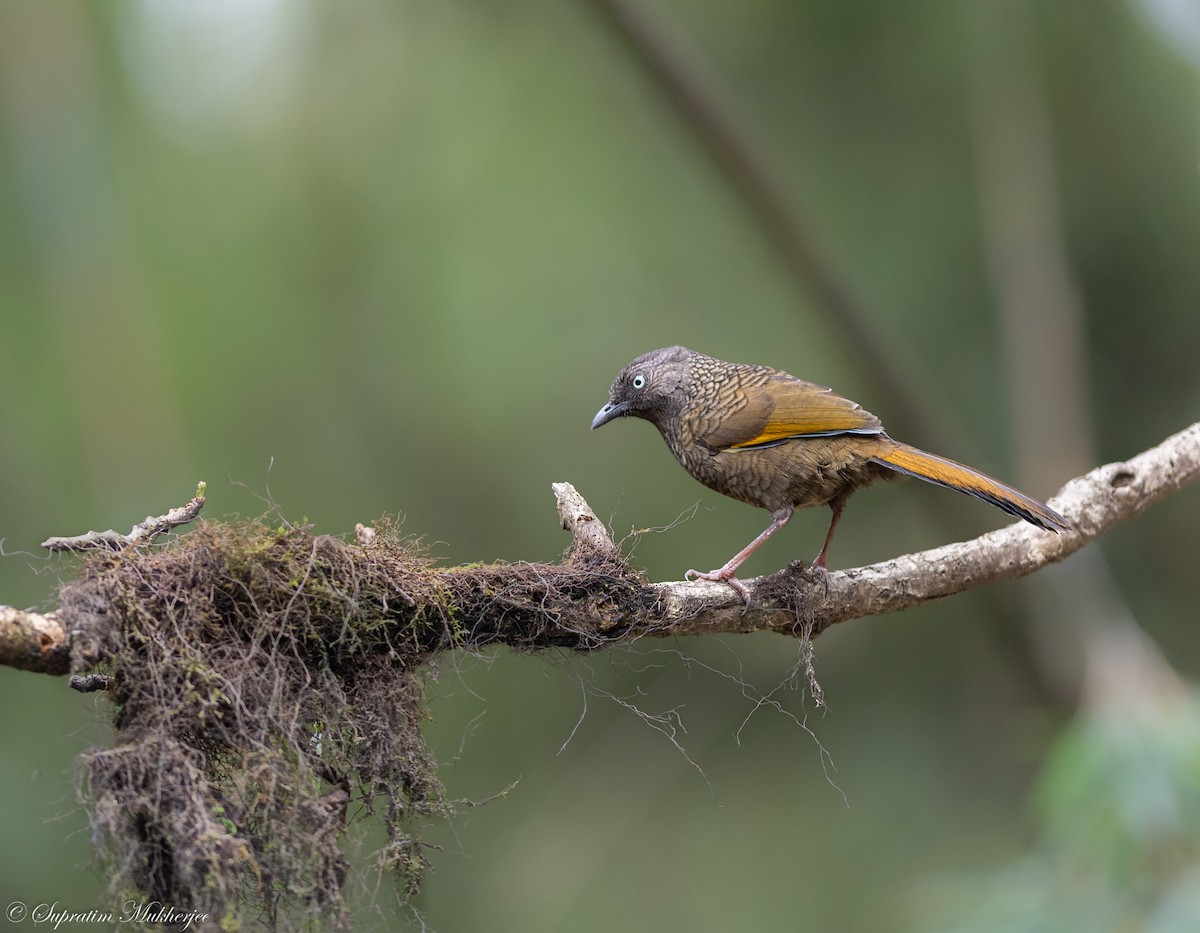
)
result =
(1094, 503)
(592, 598)
(31, 641)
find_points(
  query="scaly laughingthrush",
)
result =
(778, 442)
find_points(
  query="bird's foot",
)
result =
(819, 573)
(721, 576)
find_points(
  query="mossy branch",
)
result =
(262, 678)
(593, 598)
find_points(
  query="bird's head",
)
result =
(652, 387)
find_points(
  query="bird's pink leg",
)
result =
(837, 503)
(726, 574)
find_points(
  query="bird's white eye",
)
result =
(638, 381)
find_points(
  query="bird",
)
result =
(767, 438)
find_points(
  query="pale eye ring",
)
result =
(638, 381)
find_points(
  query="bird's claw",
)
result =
(819, 574)
(721, 576)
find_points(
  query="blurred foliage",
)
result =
(353, 259)
(1118, 829)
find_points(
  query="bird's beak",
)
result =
(608, 412)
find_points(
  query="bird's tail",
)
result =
(952, 475)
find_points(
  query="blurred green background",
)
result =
(385, 257)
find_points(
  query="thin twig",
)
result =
(143, 532)
(577, 517)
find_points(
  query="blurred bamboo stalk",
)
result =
(700, 99)
(1044, 327)
(1042, 316)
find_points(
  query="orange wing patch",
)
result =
(785, 408)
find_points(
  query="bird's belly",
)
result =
(800, 473)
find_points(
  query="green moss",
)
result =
(262, 677)
(265, 677)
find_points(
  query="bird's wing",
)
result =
(784, 407)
